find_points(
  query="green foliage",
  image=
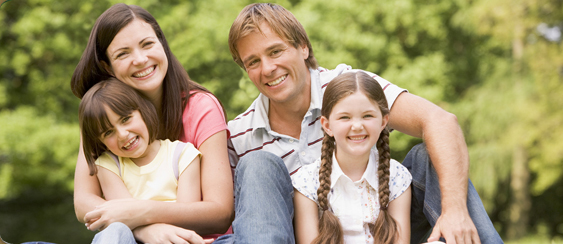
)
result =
(37, 153)
(483, 60)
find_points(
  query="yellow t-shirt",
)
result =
(156, 180)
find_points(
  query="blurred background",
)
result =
(496, 64)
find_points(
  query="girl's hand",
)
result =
(128, 211)
(165, 233)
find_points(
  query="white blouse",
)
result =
(354, 203)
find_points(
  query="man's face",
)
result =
(275, 67)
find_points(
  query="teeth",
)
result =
(144, 73)
(357, 137)
(273, 83)
(131, 142)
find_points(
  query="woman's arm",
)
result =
(400, 209)
(306, 222)
(212, 215)
(87, 191)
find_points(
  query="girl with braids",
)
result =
(360, 194)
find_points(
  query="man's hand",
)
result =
(165, 233)
(128, 211)
(456, 227)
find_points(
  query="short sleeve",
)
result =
(202, 118)
(187, 157)
(106, 161)
(400, 179)
(306, 180)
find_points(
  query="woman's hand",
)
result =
(128, 211)
(165, 233)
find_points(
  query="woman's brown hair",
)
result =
(90, 69)
(384, 230)
(122, 100)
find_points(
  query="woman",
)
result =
(127, 43)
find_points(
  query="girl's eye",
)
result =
(368, 116)
(107, 133)
(344, 117)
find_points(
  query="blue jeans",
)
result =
(426, 206)
(117, 233)
(263, 201)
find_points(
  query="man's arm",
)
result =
(446, 147)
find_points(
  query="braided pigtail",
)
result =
(330, 231)
(384, 230)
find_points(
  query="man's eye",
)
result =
(252, 63)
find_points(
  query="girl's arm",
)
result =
(400, 210)
(112, 186)
(306, 222)
(189, 185)
(210, 216)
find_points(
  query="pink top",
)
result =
(202, 118)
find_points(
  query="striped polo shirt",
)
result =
(251, 131)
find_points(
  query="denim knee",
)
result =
(261, 164)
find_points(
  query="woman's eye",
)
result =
(125, 119)
(120, 55)
(148, 44)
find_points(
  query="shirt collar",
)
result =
(261, 104)
(370, 175)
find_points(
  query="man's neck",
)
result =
(285, 118)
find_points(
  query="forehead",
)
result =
(258, 40)
(350, 103)
(131, 34)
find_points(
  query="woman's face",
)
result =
(137, 58)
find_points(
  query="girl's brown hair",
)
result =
(90, 70)
(384, 230)
(122, 100)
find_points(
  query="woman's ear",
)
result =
(324, 123)
(107, 67)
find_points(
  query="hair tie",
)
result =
(382, 208)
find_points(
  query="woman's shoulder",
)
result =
(198, 97)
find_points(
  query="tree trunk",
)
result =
(521, 202)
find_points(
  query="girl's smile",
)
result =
(129, 137)
(355, 122)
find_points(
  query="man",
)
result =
(273, 48)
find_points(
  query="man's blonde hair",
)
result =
(280, 20)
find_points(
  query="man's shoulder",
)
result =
(245, 123)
